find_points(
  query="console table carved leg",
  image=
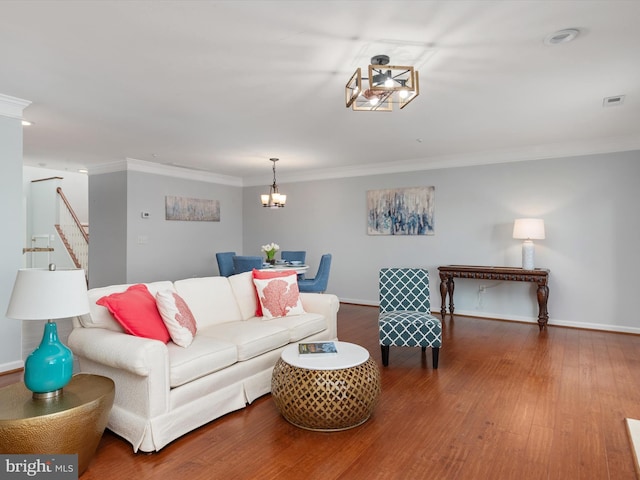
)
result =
(450, 287)
(543, 314)
(443, 296)
(446, 287)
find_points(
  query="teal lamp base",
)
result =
(50, 366)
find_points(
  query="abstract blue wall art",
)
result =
(192, 209)
(400, 211)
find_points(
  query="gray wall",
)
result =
(588, 203)
(126, 248)
(107, 229)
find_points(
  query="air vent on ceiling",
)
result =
(613, 101)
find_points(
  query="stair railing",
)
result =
(73, 233)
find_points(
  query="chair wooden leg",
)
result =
(424, 349)
(385, 355)
(435, 352)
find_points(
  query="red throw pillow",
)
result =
(265, 275)
(135, 309)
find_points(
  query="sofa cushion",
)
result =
(204, 356)
(177, 317)
(300, 326)
(135, 309)
(251, 337)
(245, 293)
(266, 275)
(280, 296)
(210, 299)
(99, 316)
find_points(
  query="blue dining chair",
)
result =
(225, 263)
(318, 284)
(246, 263)
(293, 255)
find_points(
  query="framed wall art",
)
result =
(192, 209)
(400, 211)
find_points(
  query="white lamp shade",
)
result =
(42, 294)
(528, 228)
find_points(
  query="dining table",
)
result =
(285, 267)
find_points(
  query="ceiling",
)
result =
(222, 86)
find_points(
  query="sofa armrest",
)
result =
(325, 304)
(137, 355)
(140, 369)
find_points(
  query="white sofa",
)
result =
(163, 390)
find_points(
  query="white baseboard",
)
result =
(518, 318)
(357, 301)
(10, 366)
(495, 316)
(552, 322)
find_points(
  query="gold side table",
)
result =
(70, 423)
(326, 393)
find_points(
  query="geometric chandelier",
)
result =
(387, 84)
(274, 199)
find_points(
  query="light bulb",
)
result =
(374, 100)
(388, 82)
(404, 93)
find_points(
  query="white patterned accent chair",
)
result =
(405, 318)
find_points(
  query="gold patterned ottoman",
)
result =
(326, 393)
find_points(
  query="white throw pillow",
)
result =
(177, 317)
(279, 297)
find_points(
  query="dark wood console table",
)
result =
(539, 276)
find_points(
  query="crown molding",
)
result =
(12, 107)
(135, 165)
(491, 157)
(529, 153)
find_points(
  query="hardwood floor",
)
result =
(506, 402)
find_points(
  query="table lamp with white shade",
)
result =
(48, 294)
(528, 229)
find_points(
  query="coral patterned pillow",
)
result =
(135, 309)
(264, 275)
(177, 317)
(279, 296)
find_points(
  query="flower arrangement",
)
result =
(270, 250)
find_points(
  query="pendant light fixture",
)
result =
(388, 84)
(274, 199)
